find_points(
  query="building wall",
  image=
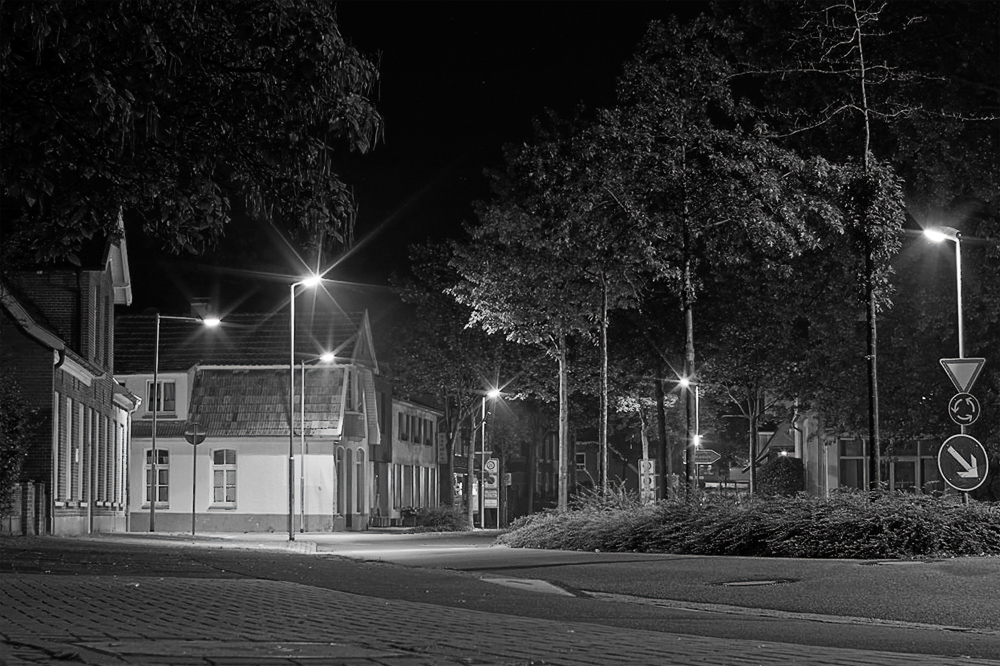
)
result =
(81, 438)
(413, 474)
(326, 484)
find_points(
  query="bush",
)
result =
(848, 525)
(783, 475)
(442, 519)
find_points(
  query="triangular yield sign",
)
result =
(963, 372)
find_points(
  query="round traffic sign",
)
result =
(492, 465)
(964, 409)
(963, 462)
(195, 433)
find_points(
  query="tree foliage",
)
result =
(175, 114)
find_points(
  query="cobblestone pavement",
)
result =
(173, 620)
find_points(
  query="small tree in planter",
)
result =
(782, 476)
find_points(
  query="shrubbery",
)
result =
(442, 519)
(783, 475)
(847, 525)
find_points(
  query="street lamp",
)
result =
(691, 466)
(210, 322)
(492, 394)
(325, 357)
(310, 281)
(939, 235)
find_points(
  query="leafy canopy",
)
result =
(175, 113)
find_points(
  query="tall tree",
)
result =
(692, 162)
(435, 354)
(172, 114)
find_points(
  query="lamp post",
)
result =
(326, 357)
(939, 235)
(210, 322)
(310, 281)
(691, 466)
(492, 394)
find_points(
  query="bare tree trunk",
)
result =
(689, 369)
(603, 435)
(563, 502)
(470, 472)
(666, 460)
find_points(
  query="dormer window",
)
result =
(165, 399)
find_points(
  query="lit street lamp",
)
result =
(310, 281)
(939, 235)
(691, 467)
(210, 322)
(492, 394)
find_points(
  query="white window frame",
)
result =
(162, 468)
(225, 468)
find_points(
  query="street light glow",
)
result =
(211, 322)
(327, 357)
(684, 381)
(941, 234)
(311, 281)
(493, 393)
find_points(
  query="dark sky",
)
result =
(458, 81)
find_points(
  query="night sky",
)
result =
(458, 81)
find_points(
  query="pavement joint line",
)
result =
(783, 615)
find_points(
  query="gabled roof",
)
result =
(241, 340)
(253, 402)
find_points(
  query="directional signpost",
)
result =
(706, 457)
(962, 460)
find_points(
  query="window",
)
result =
(428, 431)
(404, 431)
(224, 477)
(166, 397)
(581, 461)
(853, 463)
(415, 424)
(162, 476)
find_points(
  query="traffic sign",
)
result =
(964, 409)
(491, 498)
(963, 462)
(195, 433)
(492, 466)
(706, 457)
(963, 372)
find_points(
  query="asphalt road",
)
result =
(932, 606)
(948, 608)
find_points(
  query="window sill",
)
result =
(222, 507)
(159, 505)
(159, 416)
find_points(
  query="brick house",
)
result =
(57, 342)
(233, 380)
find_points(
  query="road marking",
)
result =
(784, 615)
(529, 584)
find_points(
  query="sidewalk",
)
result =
(114, 619)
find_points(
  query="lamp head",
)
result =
(684, 382)
(326, 357)
(941, 234)
(311, 281)
(493, 393)
(211, 322)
